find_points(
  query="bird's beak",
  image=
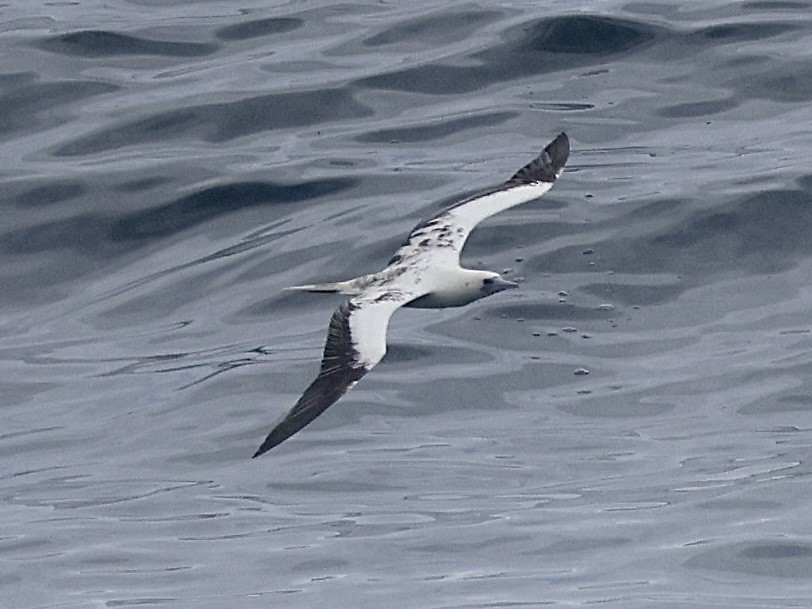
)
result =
(498, 284)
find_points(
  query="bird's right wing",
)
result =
(356, 341)
(443, 236)
(530, 182)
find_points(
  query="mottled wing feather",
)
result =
(356, 341)
(444, 234)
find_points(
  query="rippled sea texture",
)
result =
(630, 429)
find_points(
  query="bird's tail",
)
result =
(350, 287)
(336, 287)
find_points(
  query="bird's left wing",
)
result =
(356, 341)
(444, 234)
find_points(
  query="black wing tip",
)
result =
(283, 430)
(264, 447)
(548, 165)
(278, 435)
(559, 151)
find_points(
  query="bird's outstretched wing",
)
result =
(356, 341)
(444, 234)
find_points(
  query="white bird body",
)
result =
(424, 272)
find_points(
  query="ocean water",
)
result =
(631, 428)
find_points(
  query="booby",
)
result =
(424, 272)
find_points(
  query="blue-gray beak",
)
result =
(493, 285)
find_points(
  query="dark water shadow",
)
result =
(434, 29)
(102, 235)
(51, 193)
(547, 45)
(225, 121)
(215, 201)
(28, 104)
(259, 28)
(778, 558)
(434, 130)
(101, 43)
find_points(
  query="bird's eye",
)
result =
(487, 281)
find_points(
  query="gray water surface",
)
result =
(629, 429)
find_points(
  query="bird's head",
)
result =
(493, 283)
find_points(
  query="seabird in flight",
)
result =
(425, 272)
